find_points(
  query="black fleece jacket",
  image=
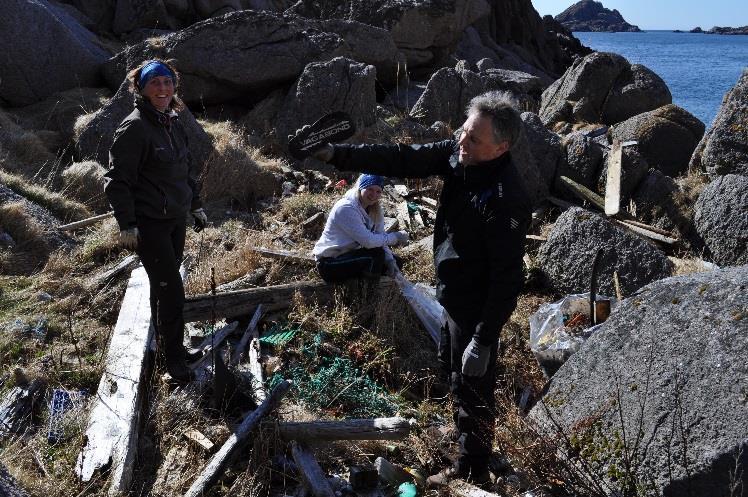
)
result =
(479, 237)
(151, 174)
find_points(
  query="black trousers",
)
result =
(473, 397)
(354, 264)
(160, 247)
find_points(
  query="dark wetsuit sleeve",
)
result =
(402, 161)
(504, 233)
(125, 159)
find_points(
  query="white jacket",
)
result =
(349, 227)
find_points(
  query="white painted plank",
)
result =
(111, 436)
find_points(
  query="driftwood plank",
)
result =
(283, 254)
(613, 181)
(111, 437)
(392, 474)
(249, 334)
(273, 298)
(403, 216)
(218, 463)
(311, 473)
(647, 233)
(127, 264)
(349, 429)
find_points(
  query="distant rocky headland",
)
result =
(717, 30)
(588, 15)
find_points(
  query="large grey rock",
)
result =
(602, 88)
(584, 159)
(421, 29)
(566, 258)
(132, 14)
(724, 148)
(450, 90)
(721, 219)
(543, 146)
(95, 132)
(338, 85)
(45, 50)
(250, 52)
(100, 12)
(637, 89)
(667, 137)
(661, 385)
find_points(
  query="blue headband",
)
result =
(367, 180)
(151, 70)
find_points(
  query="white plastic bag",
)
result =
(422, 300)
(551, 341)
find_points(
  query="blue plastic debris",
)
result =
(61, 401)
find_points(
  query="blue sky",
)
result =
(666, 14)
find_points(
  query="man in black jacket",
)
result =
(479, 240)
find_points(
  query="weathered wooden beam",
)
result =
(249, 334)
(392, 474)
(197, 438)
(211, 343)
(283, 254)
(310, 472)
(647, 232)
(403, 216)
(273, 298)
(584, 193)
(613, 181)
(349, 429)
(250, 279)
(111, 436)
(127, 264)
(85, 222)
(217, 464)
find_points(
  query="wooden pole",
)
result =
(349, 429)
(249, 334)
(218, 463)
(283, 254)
(273, 298)
(85, 222)
(310, 471)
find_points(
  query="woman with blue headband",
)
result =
(152, 186)
(353, 243)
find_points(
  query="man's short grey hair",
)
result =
(501, 107)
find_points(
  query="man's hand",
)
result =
(129, 238)
(475, 359)
(201, 219)
(398, 238)
(325, 153)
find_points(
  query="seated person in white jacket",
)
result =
(353, 243)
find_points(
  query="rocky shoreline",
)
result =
(717, 30)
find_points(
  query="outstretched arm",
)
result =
(402, 161)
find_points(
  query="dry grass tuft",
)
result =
(31, 249)
(84, 181)
(65, 209)
(23, 151)
(300, 207)
(227, 249)
(236, 171)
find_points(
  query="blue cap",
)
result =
(367, 180)
(151, 70)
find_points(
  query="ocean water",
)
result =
(698, 68)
